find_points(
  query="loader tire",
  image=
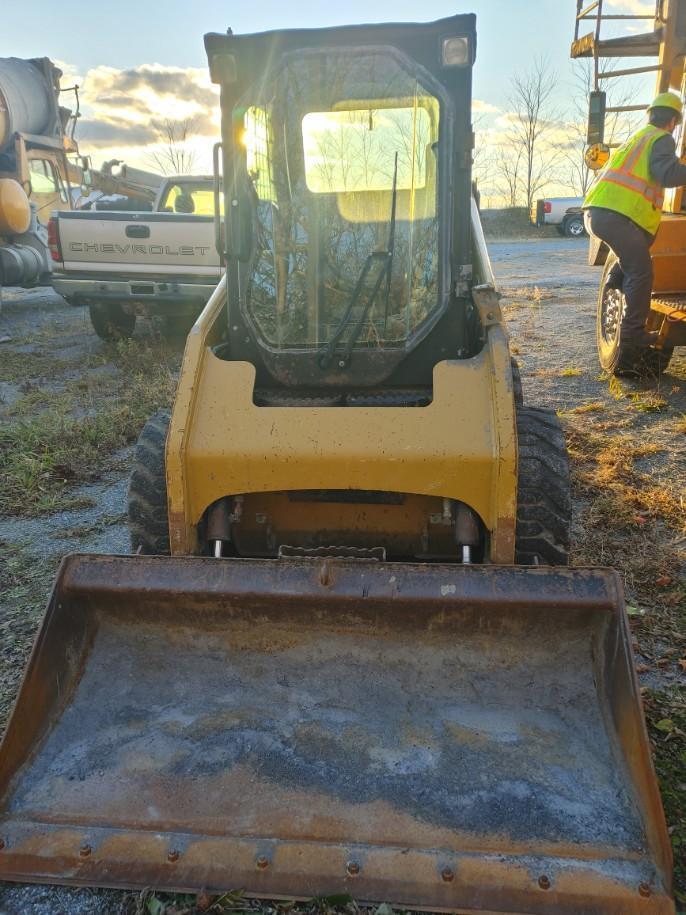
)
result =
(615, 357)
(110, 321)
(517, 389)
(544, 504)
(147, 502)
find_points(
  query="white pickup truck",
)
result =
(563, 212)
(124, 264)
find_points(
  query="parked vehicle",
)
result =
(41, 168)
(563, 212)
(123, 264)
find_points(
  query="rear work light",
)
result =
(455, 51)
(54, 239)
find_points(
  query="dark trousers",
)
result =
(634, 273)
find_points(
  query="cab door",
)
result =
(48, 189)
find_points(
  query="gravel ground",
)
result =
(549, 305)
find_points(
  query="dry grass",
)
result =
(630, 523)
(524, 297)
(647, 403)
(595, 406)
(152, 903)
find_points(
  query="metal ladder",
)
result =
(593, 45)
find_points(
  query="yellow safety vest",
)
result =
(626, 185)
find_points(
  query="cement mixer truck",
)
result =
(41, 169)
(38, 157)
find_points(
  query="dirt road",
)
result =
(70, 408)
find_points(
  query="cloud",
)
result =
(131, 108)
(103, 134)
(481, 107)
(634, 7)
(152, 88)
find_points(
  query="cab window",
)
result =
(189, 199)
(45, 180)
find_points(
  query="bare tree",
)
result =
(532, 119)
(483, 158)
(508, 164)
(175, 157)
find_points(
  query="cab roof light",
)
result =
(223, 68)
(455, 51)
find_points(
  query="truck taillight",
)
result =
(548, 206)
(54, 239)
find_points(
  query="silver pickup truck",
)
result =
(563, 212)
(124, 264)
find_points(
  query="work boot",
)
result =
(642, 338)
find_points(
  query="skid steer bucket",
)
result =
(458, 738)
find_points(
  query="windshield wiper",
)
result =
(386, 257)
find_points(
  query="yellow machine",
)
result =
(667, 43)
(364, 668)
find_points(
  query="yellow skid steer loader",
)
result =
(362, 665)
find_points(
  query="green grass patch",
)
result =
(42, 456)
(570, 372)
(17, 367)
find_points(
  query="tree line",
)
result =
(539, 146)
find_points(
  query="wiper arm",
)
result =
(387, 257)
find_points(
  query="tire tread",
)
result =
(148, 513)
(544, 492)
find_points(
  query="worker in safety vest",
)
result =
(624, 208)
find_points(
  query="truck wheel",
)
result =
(177, 326)
(110, 321)
(147, 502)
(573, 226)
(615, 357)
(544, 502)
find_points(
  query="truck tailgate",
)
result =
(113, 242)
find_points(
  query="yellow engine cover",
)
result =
(461, 447)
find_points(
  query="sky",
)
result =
(140, 63)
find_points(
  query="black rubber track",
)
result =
(544, 503)
(147, 504)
